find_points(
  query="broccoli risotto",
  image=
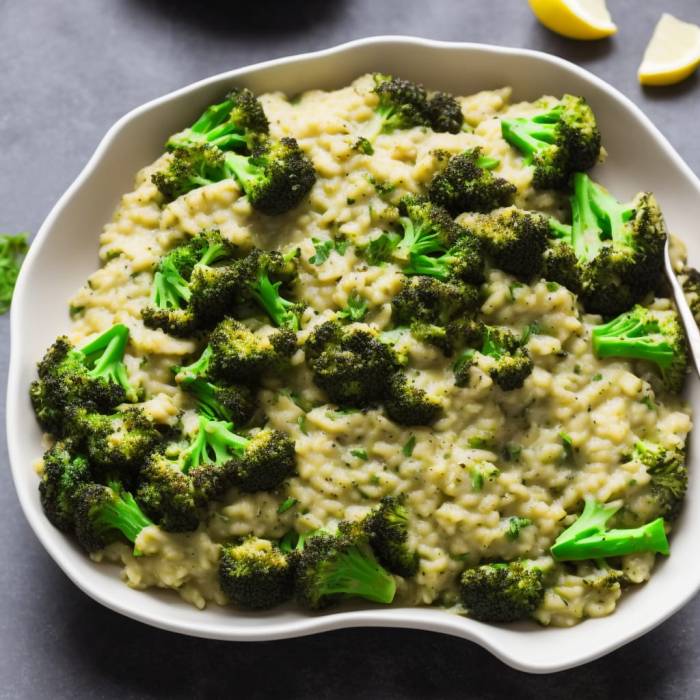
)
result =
(377, 343)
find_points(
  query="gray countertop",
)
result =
(69, 70)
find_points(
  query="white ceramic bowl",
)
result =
(64, 253)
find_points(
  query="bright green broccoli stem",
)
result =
(356, 573)
(425, 265)
(170, 288)
(486, 162)
(559, 230)
(213, 127)
(121, 513)
(417, 240)
(198, 369)
(214, 443)
(489, 345)
(279, 309)
(612, 216)
(205, 394)
(585, 227)
(248, 173)
(634, 336)
(587, 538)
(104, 358)
(532, 134)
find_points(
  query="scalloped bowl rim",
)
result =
(531, 649)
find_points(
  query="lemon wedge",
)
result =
(672, 54)
(576, 19)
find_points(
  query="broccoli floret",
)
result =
(215, 398)
(402, 104)
(466, 183)
(188, 169)
(331, 568)
(349, 363)
(275, 178)
(645, 334)
(669, 477)
(387, 526)
(463, 261)
(588, 537)
(445, 113)
(556, 142)
(513, 239)
(232, 124)
(93, 376)
(188, 293)
(509, 363)
(255, 574)
(105, 514)
(258, 270)
(260, 462)
(502, 592)
(64, 474)
(235, 353)
(119, 443)
(168, 494)
(428, 300)
(617, 248)
(427, 228)
(408, 404)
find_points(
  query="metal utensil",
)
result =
(691, 327)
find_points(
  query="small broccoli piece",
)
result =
(509, 363)
(466, 183)
(588, 537)
(119, 443)
(331, 568)
(255, 574)
(168, 494)
(408, 404)
(669, 477)
(445, 113)
(429, 300)
(356, 309)
(188, 293)
(93, 376)
(502, 592)
(232, 124)
(188, 169)
(617, 248)
(402, 104)
(236, 354)
(260, 462)
(257, 270)
(691, 286)
(645, 334)
(105, 514)
(387, 526)
(513, 239)
(349, 363)
(562, 139)
(64, 474)
(275, 178)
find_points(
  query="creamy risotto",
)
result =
(496, 477)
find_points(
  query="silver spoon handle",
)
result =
(689, 324)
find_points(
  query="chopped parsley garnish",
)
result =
(286, 504)
(360, 454)
(356, 308)
(407, 449)
(12, 251)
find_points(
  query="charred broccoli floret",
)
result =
(669, 477)
(612, 253)
(645, 334)
(514, 240)
(508, 362)
(106, 514)
(502, 592)
(255, 574)
(407, 404)
(331, 568)
(64, 474)
(215, 398)
(349, 363)
(93, 376)
(232, 124)
(466, 183)
(275, 178)
(235, 353)
(387, 526)
(556, 142)
(445, 113)
(588, 537)
(402, 104)
(188, 293)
